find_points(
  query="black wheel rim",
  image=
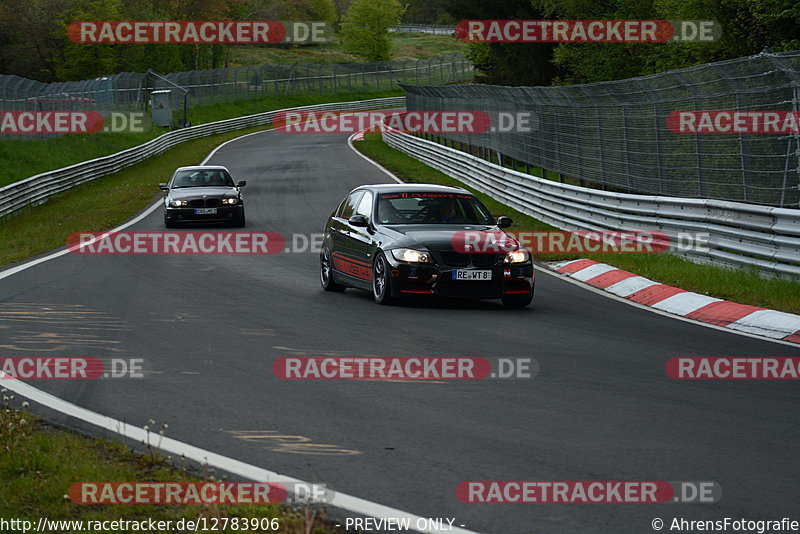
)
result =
(380, 278)
(325, 272)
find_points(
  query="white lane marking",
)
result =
(214, 151)
(251, 472)
(218, 461)
(381, 167)
(620, 287)
(593, 270)
(685, 303)
(630, 285)
(66, 250)
(770, 323)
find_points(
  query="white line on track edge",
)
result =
(245, 470)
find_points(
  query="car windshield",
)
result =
(431, 208)
(202, 178)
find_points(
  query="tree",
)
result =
(365, 29)
(80, 61)
(747, 27)
(506, 63)
(28, 46)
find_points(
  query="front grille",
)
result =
(455, 259)
(458, 259)
(485, 260)
(205, 203)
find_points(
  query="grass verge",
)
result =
(22, 158)
(743, 286)
(100, 204)
(39, 463)
(405, 46)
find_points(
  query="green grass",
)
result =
(100, 204)
(744, 286)
(406, 46)
(39, 463)
(20, 158)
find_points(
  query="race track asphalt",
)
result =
(209, 327)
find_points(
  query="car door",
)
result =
(360, 239)
(343, 254)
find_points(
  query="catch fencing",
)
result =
(614, 135)
(740, 235)
(130, 91)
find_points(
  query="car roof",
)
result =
(202, 168)
(409, 188)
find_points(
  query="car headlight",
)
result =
(179, 203)
(230, 200)
(517, 256)
(411, 256)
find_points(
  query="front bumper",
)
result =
(188, 215)
(438, 279)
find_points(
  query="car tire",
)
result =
(168, 223)
(326, 272)
(381, 281)
(518, 301)
(240, 223)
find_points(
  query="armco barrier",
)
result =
(741, 235)
(37, 189)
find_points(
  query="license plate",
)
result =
(205, 211)
(465, 274)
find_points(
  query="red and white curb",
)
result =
(740, 317)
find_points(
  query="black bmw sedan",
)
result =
(422, 239)
(203, 194)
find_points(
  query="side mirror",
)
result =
(163, 187)
(504, 222)
(358, 220)
(241, 183)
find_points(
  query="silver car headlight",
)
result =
(179, 203)
(517, 256)
(411, 256)
(230, 201)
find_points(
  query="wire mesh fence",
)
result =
(129, 91)
(615, 135)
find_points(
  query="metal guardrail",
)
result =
(431, 29)
(741, 235)
(38, 189)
